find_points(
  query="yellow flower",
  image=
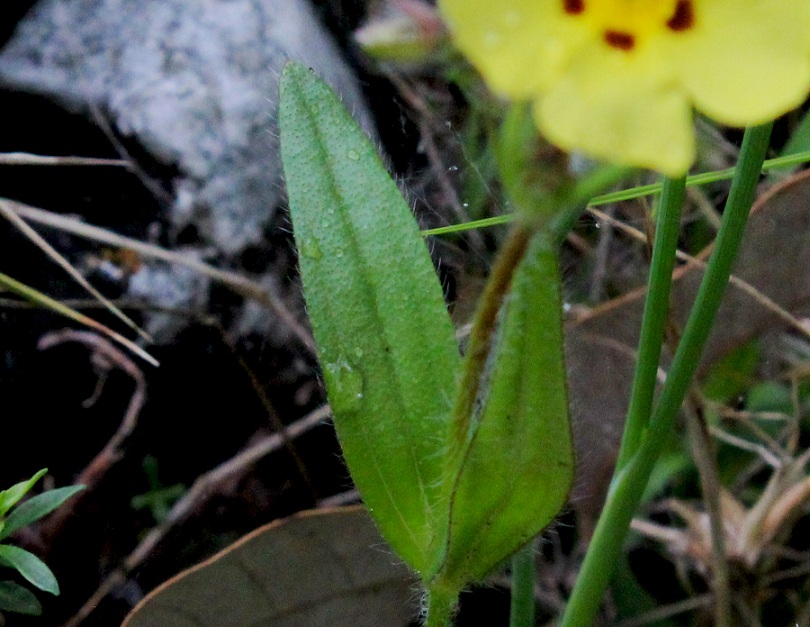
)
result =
(617, 79)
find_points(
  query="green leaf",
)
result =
(519, 464)
(36, 507)
(673, 466)
(325, 567)
(733, 374)
(30, 567)
(388, 351)
(769, 396)
(10, 497)
(16, 598)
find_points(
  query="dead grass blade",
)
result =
(237, 283)
(63, 263)
(41, 299)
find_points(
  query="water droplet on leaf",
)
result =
(309, 248)
(344, 385)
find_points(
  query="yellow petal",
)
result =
(741, 62)
(745, 61)
(622, 108)
(518, 45)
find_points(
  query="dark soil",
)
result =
(210, 396)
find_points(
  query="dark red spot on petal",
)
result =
(620, 40)
(684, 16)
(574, 7)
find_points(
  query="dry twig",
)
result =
(203, 488)
(105, 356)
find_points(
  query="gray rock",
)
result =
(170, 287)
(195, 81)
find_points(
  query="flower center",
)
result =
(622, 23)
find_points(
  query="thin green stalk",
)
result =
(627, 194)
(484, 327)
(441, 605)
(630, 481)
(484, 323)
(566, 211)
(653, 324)
(521, 611)
(577, 199)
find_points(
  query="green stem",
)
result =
(653, 325)
(521, 612)
(630, 481)
(483, 328)
(577, 199)
(441, 605)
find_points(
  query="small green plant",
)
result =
(463, 455)
(159, 498)
(463, 460)
(15, 597)
(438, 444)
